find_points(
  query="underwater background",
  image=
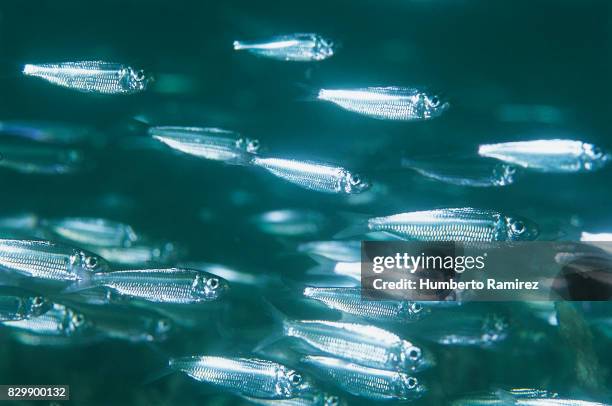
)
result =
(511, 70)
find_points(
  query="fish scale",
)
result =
(90, 76)
(366, 382)
(251, 377)
(348, 300)
(314, 176)
(444, 225)
(386, 103)
(172, 285)
(366, 345)
(57, 321)
(43, 259)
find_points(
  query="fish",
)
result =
(43, 159)
(46, 260)
(455, 224)
(20, 225)
(388, 103)
(350, 270)
(209, 143)
(19, 304)
(349, 301)
(91, 76)
(138, 254)
(314, 398)
(171, 285)
(314, 176)
(465, 173)
(463, 328)
(289, 222)
(590, 237)
(128, 323)
(90, 231)
(245, 376)
(50, 132)
(370, 383)
(300, 47)
(359, 343)
(522, 397)
(549, 156)
(341, 251)
(59, 321)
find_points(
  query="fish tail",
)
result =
(157, 375)
(279, 319)
(358, 226)
(84, 282)
(306, 93)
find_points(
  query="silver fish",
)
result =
(295, 47)
(91, 76)
(464, 173)
(388, 103)
(59, 320)
(314, 398)
(138, 254)
(349, 301)
(51, 132)
(172, 285)
(554, 155)
(342, 251)
(20, 225)
(522, 397)
(289, 222)
(45, 159)
(18, 304)
(209, 143)
(465, 329)
(359, 343)
(48, 261)
(367, 382)
(350, 270)
(83, 231)
(462, 224)
(245, 376)
(128, 323)
(314, 176)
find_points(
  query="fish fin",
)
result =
(506, 397)
(85, 282)
(278, 319)
(307, 93)
(157, 375)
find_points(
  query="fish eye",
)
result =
(355, 179)
(163, 325)
(295, 379)
(414, 353)
(416, 308)
(332, 401)
(253, 145)
(38, 301)
(597, 152)
(412, 382)
(434, 101)
(517, 227)
(139, 75)
(212, 283)
(78, 319)
(91, 262)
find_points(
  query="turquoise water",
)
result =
(512, 70)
